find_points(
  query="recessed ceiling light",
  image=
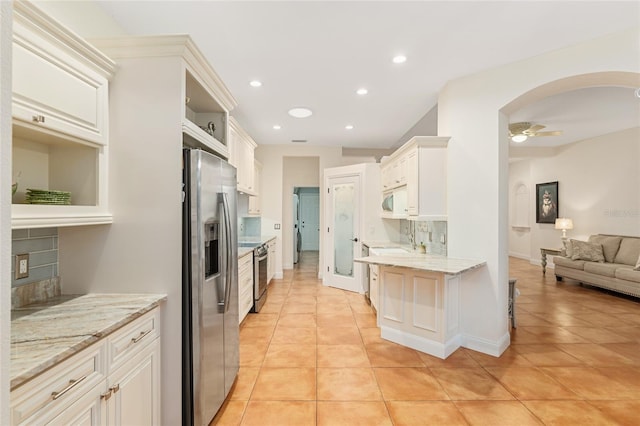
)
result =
(255, 83)
(276, 127)
(300, 112)
(399, 59)
(348, 127)
(362, 91)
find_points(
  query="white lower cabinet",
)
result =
(88, 410)
(133, 393)
(245, 285)
(271, 261)
(374, 286)
(115, 381)
(420, 309)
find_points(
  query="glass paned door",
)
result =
(343, 226)
(343, 218)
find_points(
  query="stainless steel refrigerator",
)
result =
(210, 342)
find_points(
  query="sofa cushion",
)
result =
(604, 269)
(628, 274)
(583, 250)
(568, 263)
(629, 251)
(610, 245)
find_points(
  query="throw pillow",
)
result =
(637, 268)
(568, 249)
(583, 250)
(610, 245)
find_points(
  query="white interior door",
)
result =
(343, 225)
(310, 221)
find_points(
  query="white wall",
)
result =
(273, 205)
(474, 110)
(296, 172)
(86, 18)
(599, 188)
(5, 207)
(520, 238)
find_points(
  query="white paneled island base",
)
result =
(419, 305)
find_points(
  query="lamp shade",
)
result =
(564, 223)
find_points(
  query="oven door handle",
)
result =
(229, 247)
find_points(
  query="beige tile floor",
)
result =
(314, 356)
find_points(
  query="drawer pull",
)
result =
(72, 383)
(140, 336)
(106, 395)
(38, 118)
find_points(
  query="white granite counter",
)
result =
(43, 335)
(425, 262)
(256, 241)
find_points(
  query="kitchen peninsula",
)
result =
(419, 300)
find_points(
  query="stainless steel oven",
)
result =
(260, 255)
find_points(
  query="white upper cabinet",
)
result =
(60, 111)
(420, 167)
(60, 82)
(243, 157)
(254, 200)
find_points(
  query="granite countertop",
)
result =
(425, 262)
(44, 334)
(253, 240)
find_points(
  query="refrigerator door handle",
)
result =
(229, 248)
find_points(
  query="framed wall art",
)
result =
(546, 202)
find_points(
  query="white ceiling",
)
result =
(317, 54)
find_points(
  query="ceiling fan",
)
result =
(520, 132)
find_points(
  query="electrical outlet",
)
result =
(276, 226)
(22, 266)
(442, 239)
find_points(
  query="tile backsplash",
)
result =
(432, 233)
(42, 246)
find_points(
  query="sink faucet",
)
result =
(412, 236)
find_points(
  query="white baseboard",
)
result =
(437, 349)
(519, 255)
(493, 348)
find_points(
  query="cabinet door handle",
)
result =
(115, 388)
(72, 383)
(106, 395)
(140, 336)
(38, 118)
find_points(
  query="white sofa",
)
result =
(607, 261)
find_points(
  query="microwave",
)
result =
(387, 203)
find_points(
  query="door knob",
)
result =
(355, 240)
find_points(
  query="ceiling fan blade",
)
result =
(518, 128)
(535, 128)
(551, 133)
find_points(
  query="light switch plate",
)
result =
(22, 266)
(276, 226)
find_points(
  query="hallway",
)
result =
(314, 356)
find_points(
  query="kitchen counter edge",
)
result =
(424, 262)
(52, 334)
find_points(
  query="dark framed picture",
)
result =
(546, 202)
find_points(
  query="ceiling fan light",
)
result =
(519, 138)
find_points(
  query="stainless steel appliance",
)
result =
(260, 259)
(210, 331)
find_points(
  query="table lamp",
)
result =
(564, 224)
